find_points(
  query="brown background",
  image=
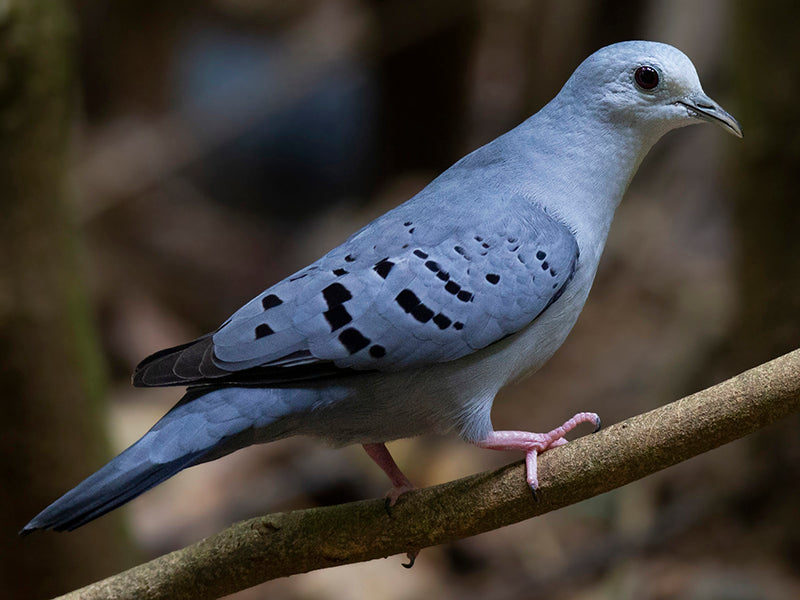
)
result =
(218, 146)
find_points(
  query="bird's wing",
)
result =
(398, 294)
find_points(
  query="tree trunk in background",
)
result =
(50, 371)
(765, 179)
(420, 104)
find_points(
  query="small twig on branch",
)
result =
(264, 548)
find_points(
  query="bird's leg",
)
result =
(535, 443)
(400, 483)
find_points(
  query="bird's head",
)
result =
(645, 85)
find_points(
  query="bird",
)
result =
(414, 323)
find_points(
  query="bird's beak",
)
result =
(703, 107)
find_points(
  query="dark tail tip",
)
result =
(110, 487)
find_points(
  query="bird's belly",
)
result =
(380, 407)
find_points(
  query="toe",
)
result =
(393, 495)
(555, 443)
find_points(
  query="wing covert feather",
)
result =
(398, 294)
(404, 294)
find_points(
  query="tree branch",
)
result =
(264, 548)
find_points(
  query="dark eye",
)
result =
(646, 77)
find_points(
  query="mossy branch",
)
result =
(264, 548)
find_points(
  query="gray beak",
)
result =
(703, 107)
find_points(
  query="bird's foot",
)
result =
(393, 494)
(534, 444)
(400, 483)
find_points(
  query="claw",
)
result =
(412, 557)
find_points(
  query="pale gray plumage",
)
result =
(415, 322)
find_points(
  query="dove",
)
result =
(415, 322)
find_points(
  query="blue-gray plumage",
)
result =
(414, 323)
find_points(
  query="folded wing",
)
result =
(398, 294)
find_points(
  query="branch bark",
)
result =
(282, 544)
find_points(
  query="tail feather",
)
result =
(104, 491)
(202, 426)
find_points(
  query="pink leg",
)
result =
(400, 483)
(535, 443)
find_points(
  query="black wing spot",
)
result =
(464, 296)
(407, 224)
(485, 245)
(493, 278)
(478, 238)
(420, 253)
(270, 301)
(410, 303)
(460, 250)
(553, 272)
(541, 255)
(555, 285)
(452, 287)
(353, 340)
(377, 351)
(263, 330)
(296, 277)
(422, 313)
(349, 258)
(443, 275)
(407, 300)
(337, 317)
(383, 267)
(340, 272)
(512, 240)
(336, 294)
(432, 266)
(520, 259)
(411, 230)
(442, 322)
(458, 325)
(545, 266)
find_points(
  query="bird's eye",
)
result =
(646, 77)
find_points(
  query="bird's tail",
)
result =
(113, 485)
(201, 427)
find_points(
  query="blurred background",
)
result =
(161, 162)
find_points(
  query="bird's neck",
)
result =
(596, 163)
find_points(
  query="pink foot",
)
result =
(400, 483)
(535, 443)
